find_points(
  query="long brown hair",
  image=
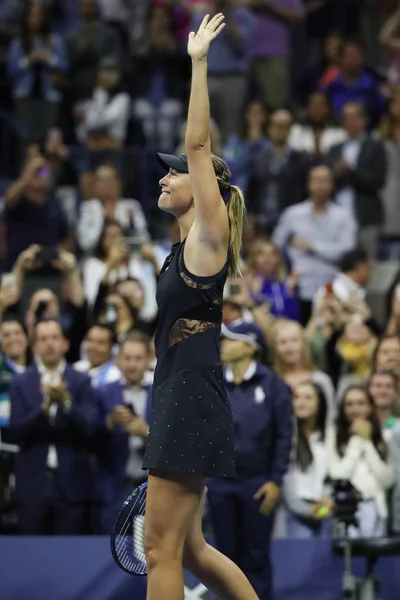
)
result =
(256, 248)
(236, 207)
(342, 425)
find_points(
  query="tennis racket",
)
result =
(127, 537)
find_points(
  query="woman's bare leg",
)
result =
(172, 502)
(213, 569)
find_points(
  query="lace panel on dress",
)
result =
(188, 280)
(184, 328)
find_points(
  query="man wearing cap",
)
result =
(242, 510)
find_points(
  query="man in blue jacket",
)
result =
(53, 418)
(242, 510)
(125, 407)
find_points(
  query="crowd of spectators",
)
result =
(314, 144)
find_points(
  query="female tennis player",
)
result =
(191, 433)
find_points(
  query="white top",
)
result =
(362, 465)
(53, 377)
(128, 213)
(346, 196)
(310, 484)
(332, 234)
(343, 288)
(93, 271)
(137, 397)
(106, 115)
(302, 138)
(101, 375)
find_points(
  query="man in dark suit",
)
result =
(125, 413)
(359, 167)
(279, 175)
(53, 416)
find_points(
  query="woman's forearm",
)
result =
(76, 294)
(198, 123)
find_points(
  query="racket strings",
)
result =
(128, 538)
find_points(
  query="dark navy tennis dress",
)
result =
(191, 429)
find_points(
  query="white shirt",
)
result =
(302, 138)
(332, 234)
(51, 378)
(228, 373)
(128, 213)
(346, 196)
(137, 397)
(310, 484)
(93, 271)
(106, 115)
(100, 375)
(363, 467)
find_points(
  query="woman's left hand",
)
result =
(199, 42)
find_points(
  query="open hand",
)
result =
(57, 392)
(199, 42)
(269, 493)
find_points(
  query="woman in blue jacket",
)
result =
(36, 60)
(242, 510)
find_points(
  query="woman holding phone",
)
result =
(191, 433)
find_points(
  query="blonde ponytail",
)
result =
(236, 208)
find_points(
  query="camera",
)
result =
(346, 499)
(40, 310)
(48, 254)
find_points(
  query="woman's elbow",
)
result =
(193, 147)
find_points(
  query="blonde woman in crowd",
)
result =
(356, 451)
(267, 279)
(306, 496)
(291, 360)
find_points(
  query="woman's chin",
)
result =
(163, 201)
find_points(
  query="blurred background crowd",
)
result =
(305, 101)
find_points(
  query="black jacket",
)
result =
(290, 181)
(367, 179)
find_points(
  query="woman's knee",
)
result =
(162, 545)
